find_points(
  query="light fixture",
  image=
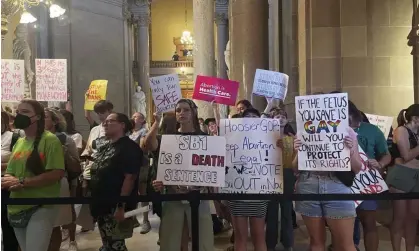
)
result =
(186, 35)
(27, 18)
(55, 11)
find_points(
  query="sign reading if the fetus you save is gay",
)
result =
(322, 124)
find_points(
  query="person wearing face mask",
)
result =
(35, 169)
(403, 177)
(8, 140)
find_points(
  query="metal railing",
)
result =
(171, 64)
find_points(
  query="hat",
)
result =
(208, 120)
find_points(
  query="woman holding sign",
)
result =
(175, 212)
(339, 215)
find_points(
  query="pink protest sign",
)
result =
(51, 79)
(12, 80)
(222, 91)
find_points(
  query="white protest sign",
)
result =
(253, 162)
(270, 84)
(51, 79)
(192, 160)
(12, 80)
(382, 122)
(166, 92)
(368, 180)
(322, 124)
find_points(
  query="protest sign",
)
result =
(51, 79)
(96, 92)
(270, 84)
(166, 92)
(222, 91)
(192, 160)
(382, 122)
(253, 162)
(322, 124)
(12, 80)
(368, 180)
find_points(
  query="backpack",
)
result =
(70, 174)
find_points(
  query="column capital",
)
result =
(221, 12)
(141, 12)
(126, 11)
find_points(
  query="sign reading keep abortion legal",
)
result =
(192, 160)
(322, 124)
(222, 91)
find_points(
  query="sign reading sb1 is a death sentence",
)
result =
(254, 163)
(51, 79)
(192, 160)
(12, 80)
(166, 92)
(222, 91)
(270, 84)
(322, 124)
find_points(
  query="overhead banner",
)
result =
(51, 79)
(222, 91)
(96, 92)
(192, 160)
(322, 124)
(270, 84)
(254, 162)
(382, 122)
(368, 180)
(12, 80)
(166, 92)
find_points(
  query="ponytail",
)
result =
(401, 120)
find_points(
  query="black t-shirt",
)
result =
(112, 162)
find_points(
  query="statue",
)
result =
(227, 58)
(22, 51)
(139, 101)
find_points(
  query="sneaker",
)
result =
(64, 234)
(145, 227)
(72, 246)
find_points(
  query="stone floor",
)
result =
(91, 241)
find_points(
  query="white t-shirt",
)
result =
(6, 140)
(78, 139)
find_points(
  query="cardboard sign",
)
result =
(322, 124)
(368, 180)
(192, 160)
(254, 162)
(12, 80)
(166, 92)
(382, 122)
(222, 91)
(270, 84)
(96, 92)
(51, 79)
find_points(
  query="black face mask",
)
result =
(22, 121)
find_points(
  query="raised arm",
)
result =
(149, 142)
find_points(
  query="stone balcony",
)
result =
(171, 67)
(171, 64)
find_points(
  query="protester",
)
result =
(404, 178)
(71, 130)
(34, 171)
(8, 140)
(55, 123)
(242, 105)
(102, 108)
(175, 212)
(138, 132)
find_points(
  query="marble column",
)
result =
(248, 20)
(128, 57)
(141, 12)
(204, 49)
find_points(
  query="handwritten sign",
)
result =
(192, 160)
(368, 180)
(322, 123)
(12, 80)
(166, 92)
(254, 163)
(51, 79)
(222, 91)
(96, 92)
(382, 122)
(270, 84)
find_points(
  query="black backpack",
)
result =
(63, 139)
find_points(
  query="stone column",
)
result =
(141, 12)
(128, 57)
(248, 20)
(203, 55)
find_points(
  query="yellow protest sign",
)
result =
(96, 92)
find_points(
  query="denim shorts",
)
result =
(324, 183)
